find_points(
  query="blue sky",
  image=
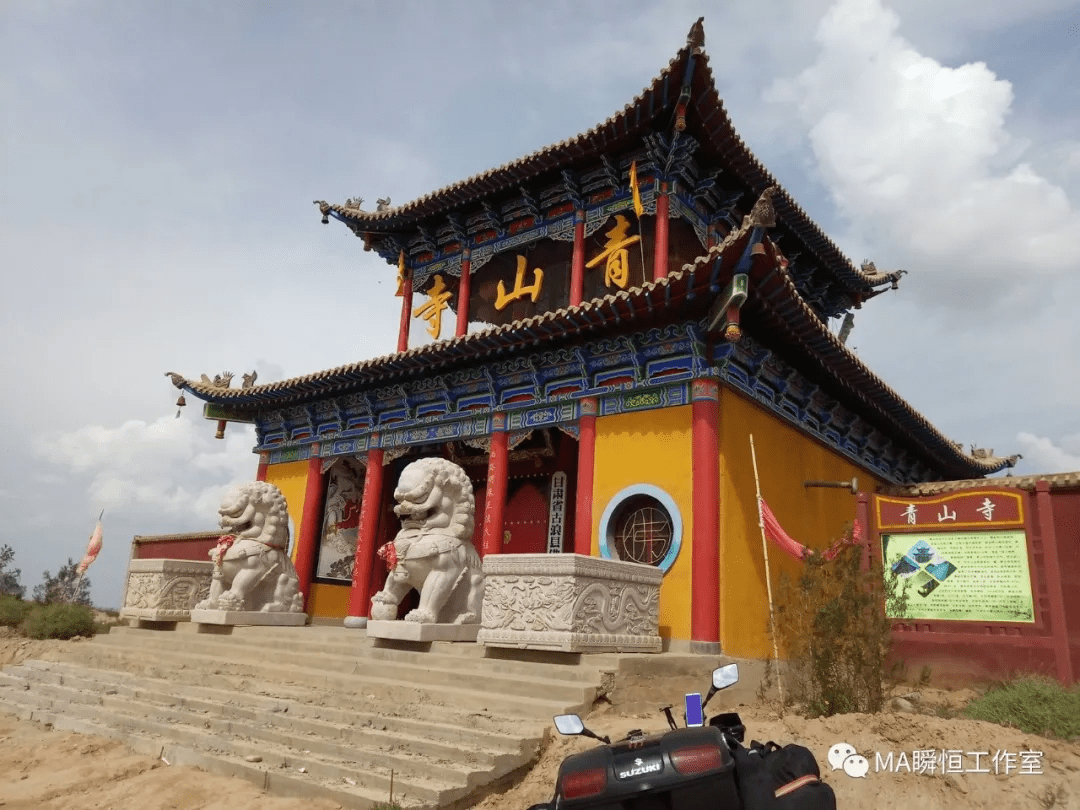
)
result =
(159, 162)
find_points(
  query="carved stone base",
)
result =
(399, 630)
(165, 590)
(570, 602)
(248, 617)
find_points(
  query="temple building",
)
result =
(650, 298)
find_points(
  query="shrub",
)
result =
(832, 626)
(12, 611)
(1037, 705)
(58, 621)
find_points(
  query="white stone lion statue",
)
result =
(252, 569)
(433, 552)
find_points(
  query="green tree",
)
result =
(62, 587)
(9, 575)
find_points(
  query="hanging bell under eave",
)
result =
(181, 402)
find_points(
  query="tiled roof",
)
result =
(786, 321)
(1066, 480)
(652, 106)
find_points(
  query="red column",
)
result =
(661, 240)
(360, 593)
(406, 314)
(310, 525)
(586, 462)
(463, 294)
(495, 493)
(1052, 571)
(264, 464)
(705, 598)
(577, 267)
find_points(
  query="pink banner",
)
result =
(775, 532)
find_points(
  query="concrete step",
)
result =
(238, 673)
(441, 720)
(352, 643)
(451, 739)
(384, 664)
(422, 779)
(289, 781)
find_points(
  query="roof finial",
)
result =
(695, 40)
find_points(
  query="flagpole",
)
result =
(768, 575)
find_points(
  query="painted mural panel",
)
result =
(341, 522)
(963, 576)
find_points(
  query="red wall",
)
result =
(176, 547)
(960, 653)
(1066, 506)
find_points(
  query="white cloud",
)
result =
(1045, 456)
(170, 467)
(918, 158)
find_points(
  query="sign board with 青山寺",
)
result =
(976, 509)
(962, 576)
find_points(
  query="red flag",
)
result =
(775, 532)
(92, 548)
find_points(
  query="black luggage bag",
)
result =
(773, 778)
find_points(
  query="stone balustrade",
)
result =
(160, 590)
(570, 602)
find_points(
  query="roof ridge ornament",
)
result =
(695, 44)
(876, 277)
(763, 214)
(986, 455)
(695, 40)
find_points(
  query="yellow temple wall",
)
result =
(291, 479)
(815, 516)
(328, 601)
(651, 447)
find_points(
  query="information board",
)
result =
(962, 576)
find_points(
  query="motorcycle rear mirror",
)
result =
(725, 676)
(569, 724)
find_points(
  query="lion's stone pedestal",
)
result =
(247, 617)
(416, 631)
(165, 590)
(571, 603)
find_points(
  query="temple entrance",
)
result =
(525, 520)
(538, 516)
(542, 469)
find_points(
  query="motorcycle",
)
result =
(703, 765)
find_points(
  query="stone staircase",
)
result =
(312, 711)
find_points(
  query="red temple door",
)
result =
(526, 519)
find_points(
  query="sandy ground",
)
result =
(41, 768)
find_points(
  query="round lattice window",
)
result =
(642, 530)
(641, 524)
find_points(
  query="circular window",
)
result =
(641, 524)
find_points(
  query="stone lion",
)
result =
(252, 569)
(433, 552)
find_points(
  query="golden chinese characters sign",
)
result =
(432, 311)
(617, 267)
(520, 289)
